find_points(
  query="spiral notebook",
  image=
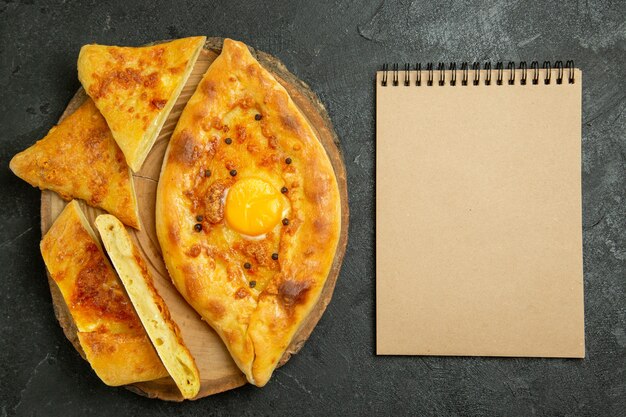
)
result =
(478, 210)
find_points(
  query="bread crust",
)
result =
(257, 322)
(150, 307)
(108, 329)
(78, 158)
(136, 87)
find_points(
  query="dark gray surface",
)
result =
(335, 47)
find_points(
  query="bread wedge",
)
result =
(108, 329)
(150, 307)
(135, 88)
(80, 159)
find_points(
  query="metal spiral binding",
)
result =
(441, 67)
(535, 67)
(511, 67)
(548, 68)
(418, 79)
(464, 69)
(453, 71)
(407, 78)
(476, 69)
(524, 68)
(559, 66)
(385, 72)
(395, 75)
(499, 68)
(570, 66)
(429, 68)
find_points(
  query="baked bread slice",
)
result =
(79, 159)
(135, 88)
(149, 305)
(248, 210)
(109, 331)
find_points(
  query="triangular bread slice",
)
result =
(150, 307)
(79, 159)
(136, 87)
(108, 329)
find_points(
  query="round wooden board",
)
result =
(218, 372)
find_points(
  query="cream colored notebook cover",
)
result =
(478, 213)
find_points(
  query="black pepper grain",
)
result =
(207, 173)
(275, 256)
(284, 190)
(228, 141)
(247, 265)
(199, 218)
(233, 172)
(285, 222)
(252, 284)
(257, 117)
(288, 161)
(198, 227)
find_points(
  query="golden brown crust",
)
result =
(135, 88)
(79, 159)
(192, 384)
(240, 100)
(121, 358)
(150, 307)
(109, 330)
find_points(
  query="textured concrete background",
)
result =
(335, 46)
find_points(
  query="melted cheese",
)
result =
(79, 159)
(109, 331)
(241, 126)
(135, 88)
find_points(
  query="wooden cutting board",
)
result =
(218, 372)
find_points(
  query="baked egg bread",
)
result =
(136, 87)
(109, 331)
(79, 159)
(247, 210)
(150, 307)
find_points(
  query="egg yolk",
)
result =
(253, 206)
